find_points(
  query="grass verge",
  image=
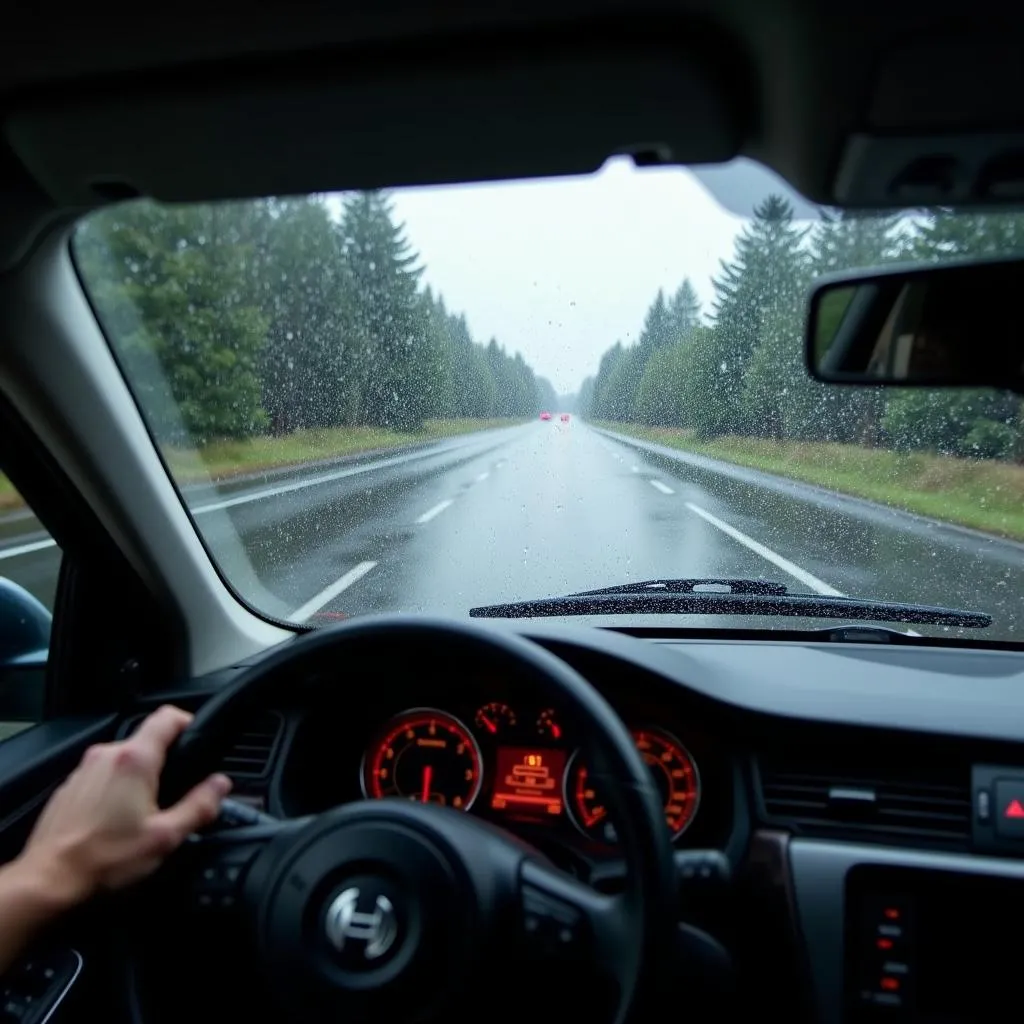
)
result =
(978, 493)
(9, 498)
(221, 460)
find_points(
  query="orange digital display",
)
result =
(528, 780)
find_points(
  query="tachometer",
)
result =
(424, 755)
(675, 774)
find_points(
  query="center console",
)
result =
(900, 935)
(932, 946)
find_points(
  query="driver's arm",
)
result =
(102, 829)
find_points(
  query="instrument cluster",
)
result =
(517, 764)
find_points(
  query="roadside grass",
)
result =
(978, 493)
(9, 497)
(221, 460)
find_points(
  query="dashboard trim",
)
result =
(819, 872)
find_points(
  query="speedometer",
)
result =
(675, 774)
(424, 755)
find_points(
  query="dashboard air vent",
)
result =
(250, 755)
(862, 792)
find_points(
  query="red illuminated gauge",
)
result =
(424, 755)
(674, 771)
(495, 718)
(547, 725)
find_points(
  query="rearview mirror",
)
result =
(956, 325)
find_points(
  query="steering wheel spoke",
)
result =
(211, 868)
(565, 921)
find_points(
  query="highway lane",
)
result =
(549, 508)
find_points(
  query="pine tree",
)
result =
(684, 310)
(657, 330)
(756, 295)
(854, 239)
(173, 294)
(946, 234)
(387, 322)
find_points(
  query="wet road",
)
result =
(548, 508)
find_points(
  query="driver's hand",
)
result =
(102, 828)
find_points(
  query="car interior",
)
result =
(855, 794)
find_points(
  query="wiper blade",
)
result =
(690, 586)
(729, 597)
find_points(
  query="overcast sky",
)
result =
(561, 269)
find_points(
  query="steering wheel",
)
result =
(390, 910)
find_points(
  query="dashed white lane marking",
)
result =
(435, 511)
(482, 477)
(659, 486)
(636, 469)
(27, 549)
(767, 554)
(314, 604)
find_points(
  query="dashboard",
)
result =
(866, 796)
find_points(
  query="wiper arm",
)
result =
(729, 597)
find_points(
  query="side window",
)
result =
(29, 563)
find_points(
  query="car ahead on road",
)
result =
(719, 705)
(564, 417)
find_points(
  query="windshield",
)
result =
(433, 399)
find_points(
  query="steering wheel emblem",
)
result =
(374, 929)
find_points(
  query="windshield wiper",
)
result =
(728, 597)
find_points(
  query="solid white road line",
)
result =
(26, 549)
(266, 492)
(766, 553)
(312, 481)
(435, 511)
(636, 469)
(659, 486)
(314, 604)
(482, 477)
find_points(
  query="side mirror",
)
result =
(25, 626)
(953, 325)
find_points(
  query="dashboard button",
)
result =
(550, 926)
(984, 806)
(1009, 809)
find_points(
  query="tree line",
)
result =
(236, 319)
(741, 370)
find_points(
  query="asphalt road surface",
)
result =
(549, 508)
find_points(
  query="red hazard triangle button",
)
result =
(1014, 809)
(1009, 809)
